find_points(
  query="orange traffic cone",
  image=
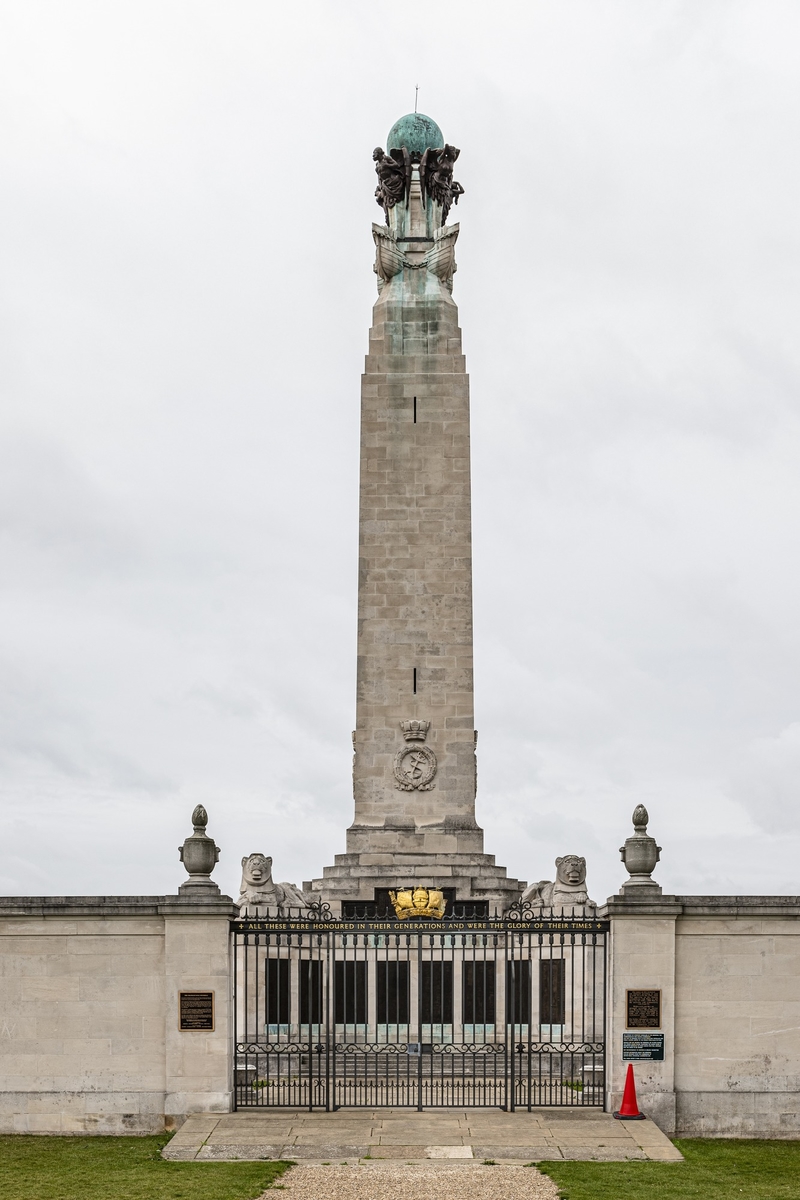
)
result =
(629, 1110)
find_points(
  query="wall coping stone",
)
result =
(223, 906)
(699, 906)
(631, 905)
(118, 906)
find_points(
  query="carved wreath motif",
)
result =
(414, 768)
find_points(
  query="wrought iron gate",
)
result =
(506, 1013)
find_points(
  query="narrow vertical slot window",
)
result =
(518, 992)
(415, 681)
(415, 410)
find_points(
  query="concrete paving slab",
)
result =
(448, 1151)
(335, 1153)
(243, 1151)
(423, 1139)
(591, 1153)
(396, 1152)
(250, 1135)
(194, 1127)
(531, 1153)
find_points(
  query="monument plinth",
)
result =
(414, 768)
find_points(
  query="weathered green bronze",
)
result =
(416, 133)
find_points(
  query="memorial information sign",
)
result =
(197, 1011)
(642, 1047)
(643, 1010)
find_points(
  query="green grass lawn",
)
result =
(714, 1170)
(120, 1168)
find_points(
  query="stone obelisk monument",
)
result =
(414, 768)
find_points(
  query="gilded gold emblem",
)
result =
(418, 902)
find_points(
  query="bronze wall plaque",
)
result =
(642, 1047)
(197, 1011)
(643, 1009)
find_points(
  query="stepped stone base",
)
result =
(473, 875)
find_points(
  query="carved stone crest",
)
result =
(414, 768)
(418, 902)
(415, 731)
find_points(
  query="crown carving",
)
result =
(418, 902)
(415, 731)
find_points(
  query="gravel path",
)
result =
(418, 1181)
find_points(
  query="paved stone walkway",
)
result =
(453, 1135)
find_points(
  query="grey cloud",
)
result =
(767, 781)
(188, 285)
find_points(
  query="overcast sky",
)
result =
(187, 288)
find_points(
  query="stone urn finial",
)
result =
(640, 855)
(199, 854)
(640, 818)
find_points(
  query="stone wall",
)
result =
(90, 1038)
(737, 1028)
(89, 1031)
(728, 969)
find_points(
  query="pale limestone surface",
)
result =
(82, 1045)
(642, 955)
(415, 593)
(415, 600)
(89, 1039)
(729, 972)
(452, 1135)
(198, 1065)
(738, 1025)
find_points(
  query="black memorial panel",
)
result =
(381, 907)
(478, 993)
(350, 993)
(392, 992)
(310, 991)
(552, 992)
(518, 992)
(436, 993)
(276, 998)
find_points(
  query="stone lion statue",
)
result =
(258, 891)
(567, 890)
